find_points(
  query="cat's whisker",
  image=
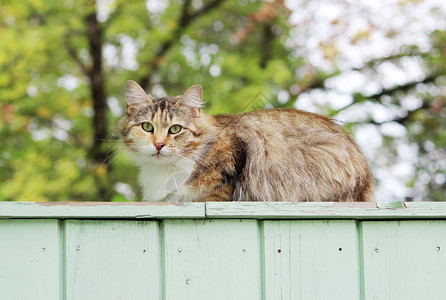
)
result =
(116, 160)
(116, 157)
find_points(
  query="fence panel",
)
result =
(212, 259)
(404, 259)
(222, 251)
(30, 259)
(311, 260)
(112, 260)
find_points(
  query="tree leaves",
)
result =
(246, 54)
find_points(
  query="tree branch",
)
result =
(205, 9)
(267, 41)
(398, 88)
(72, 52)
(183, 22)
(359, 98)
(112, 16)
(319, 82)
(96, 76)
(376, 61)
(406, 118)
(185, 16)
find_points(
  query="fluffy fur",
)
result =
(271, 155)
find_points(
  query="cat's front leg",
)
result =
(220, 193)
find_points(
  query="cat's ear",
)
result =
(193, 97)
(135, 95)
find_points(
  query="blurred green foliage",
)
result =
(238, 50)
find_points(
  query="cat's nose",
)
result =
(159, 146)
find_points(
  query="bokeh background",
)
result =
(379, 67)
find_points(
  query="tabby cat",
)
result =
(270, 155)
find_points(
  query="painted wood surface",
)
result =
(209, 259)
(404, 259)
(30, 252)
(222, 251)
(112, 260)
(325, 210)
(102, 210)
(256, 210)
(311, 260)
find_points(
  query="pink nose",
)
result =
(159, 146)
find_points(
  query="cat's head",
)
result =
(162, 130)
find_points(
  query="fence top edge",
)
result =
(259, 210)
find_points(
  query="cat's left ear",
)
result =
(193, 97)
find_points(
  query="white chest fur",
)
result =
(161, 180)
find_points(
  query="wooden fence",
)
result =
(222, 251)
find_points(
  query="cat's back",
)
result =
(277, 123)
(293, 148)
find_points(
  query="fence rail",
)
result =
(241, 250)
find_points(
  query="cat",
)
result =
(270, 155)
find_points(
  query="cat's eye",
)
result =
(175, 129)
(147, 126)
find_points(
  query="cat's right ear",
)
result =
(135, 96)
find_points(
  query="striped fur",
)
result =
(271, 155)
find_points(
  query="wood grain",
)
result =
(257, 210)
(404, 259)
(311, 260)
(212, 259)
(101, 210)
(239, 250)
(113, 260)
(30, 259)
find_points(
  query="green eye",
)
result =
(147, 126)
(175, 129)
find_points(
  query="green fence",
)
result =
(222, 251)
